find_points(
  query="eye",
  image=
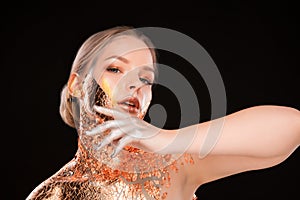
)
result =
(113, 70)
(146, 81)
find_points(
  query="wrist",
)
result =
(163, 141)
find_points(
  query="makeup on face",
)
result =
(125, 73)
(132, 89)
(106, 88)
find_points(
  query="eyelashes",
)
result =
(116, 70)
(146, 81)
(113, 69)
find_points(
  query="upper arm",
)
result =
(253, 138)
(260, 131)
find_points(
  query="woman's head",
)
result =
(113, 68)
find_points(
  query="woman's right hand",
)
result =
(129, 130)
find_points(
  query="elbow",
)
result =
(297, 124)
(285, 114)
(292, 118)
(287, 121)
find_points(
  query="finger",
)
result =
(109, 112)
(113, 136)
(111, 124)
(122, 143)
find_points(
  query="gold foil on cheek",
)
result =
(105, 86)
(107, 90)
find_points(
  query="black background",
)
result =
(255, 46)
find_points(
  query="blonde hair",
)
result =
(85, 54)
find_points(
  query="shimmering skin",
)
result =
(92, 174)
(86, 178)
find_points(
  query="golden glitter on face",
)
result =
(106, 88)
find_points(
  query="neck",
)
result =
(82, 153)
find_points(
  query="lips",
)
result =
(130, 104)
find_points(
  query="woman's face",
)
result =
(125, 72)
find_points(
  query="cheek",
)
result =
(149, 94)
(146, 93)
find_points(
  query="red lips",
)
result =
(130, 104)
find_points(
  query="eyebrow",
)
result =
(124, 60)
(146, 68)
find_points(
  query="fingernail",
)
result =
(113, 154)
(97, 107)
(100, 146)
(89, 132)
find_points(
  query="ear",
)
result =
(75, 85)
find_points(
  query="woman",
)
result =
(120, 156)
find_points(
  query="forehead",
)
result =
(129, 47)
(122, 45)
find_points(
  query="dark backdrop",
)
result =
(254, 45)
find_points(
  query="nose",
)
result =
(131, 87)
(134, 84)
(132, 80)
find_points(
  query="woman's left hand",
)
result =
(127, 130)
